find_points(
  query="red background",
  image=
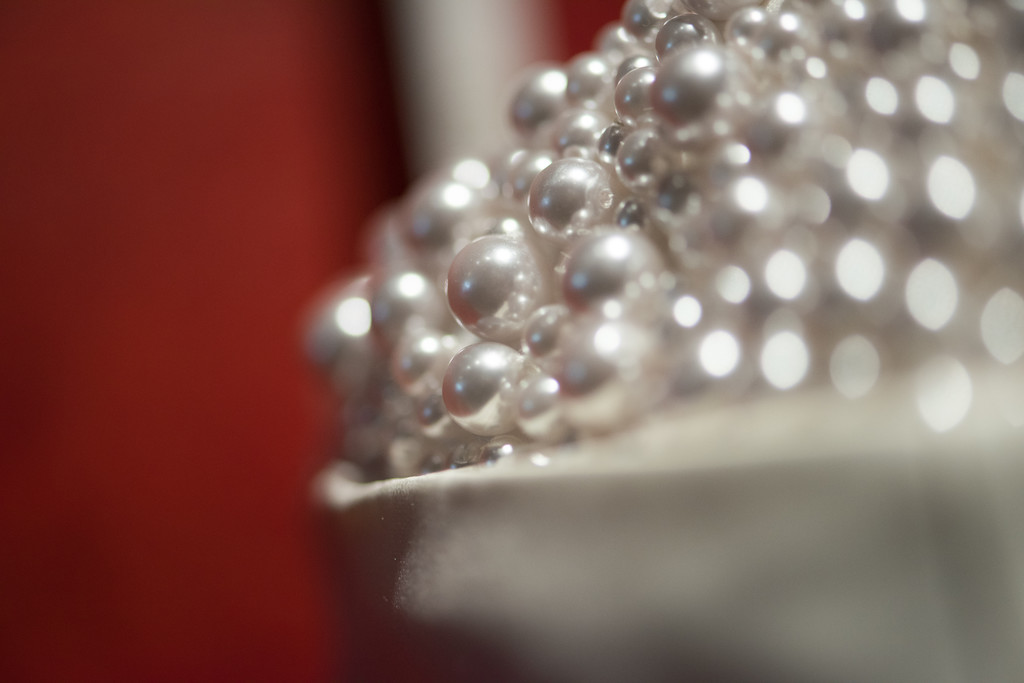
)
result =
(176, 181)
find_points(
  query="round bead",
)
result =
(570, 197)
(614, 272)
(539, 99)
(494, 284)
(522, 170)
(481, 386)
(630, 64)
(419, 360)
(643, 159)
(406, 299)
(685, 31)
(540, 413)
(642, 18)
(338, 336)
(589, 80)
(688, 83)
(607, 374)
(579, 128)
(540, 334)
(633, 95)
(745, 24)
(435, 218)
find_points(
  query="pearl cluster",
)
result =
(722, 200)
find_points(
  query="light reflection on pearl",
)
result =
(943, 392)
(854, 366)
(719, 353)
(860, 269)
(785, 274)
(1002, 326)
(733, 284)
(881, 95)
(868, 174)
(964, 61)
(934, 99)
(951, 187)
(784, 360)
(686, 311)
(931, 294)
(1013, 94)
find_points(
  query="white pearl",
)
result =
(522, 170)
(480, 388)
(608, 373)
(435, 219)
(337, 337)
(642, 159)
(589, 80)
(570, 197)
(616, 42)
(541, 332)
(433, 419)
(419, 360)
(643, 18)
(403, 300)
(744, 25)
(540, 412)
(494, 284)
(578, 128)
(616, 273)
(688, 83)
(633, 96)
(539, 100)
(683, 31)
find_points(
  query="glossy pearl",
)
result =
(480, 388)
(642, 18)
(608, 373)
(643, 159)
(494, 284)
(539, 99)
(540, 412)
(419, 360)
(522, 171)
(633, 95)
(579, 128)
(688, 83)
(608, 143)
(683, 31)
(630, 64)
(338, 336)
(436, 216)
(541, 332)
(616, 273)
(589, 80)
(406, 300)
(745, 24)
(569, 198)
(433, 419)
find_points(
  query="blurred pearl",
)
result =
(494, 284)
(633, 96)
(433, 419)
(745, 24)
(684, 31)
(579, 128)
(608, 143)
(630, 64)
(539, 99)
(775, 126)
(522, 171)
(337, 337)
(785, 359)
(642, 18)
(688, 83)
(616, 42)
(419, 360)
(540, 412)
(480, 388)
(1002, 326)
(570, 197)
(405, 300)
(631, 213)
(589, 80)
(746, 206)
(608, 374)
(540, 334)
(617, 268)
(784, 37)
(642, 160)
(435, 218)
(894, 22)
(676, 195)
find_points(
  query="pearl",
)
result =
(589, 80)
(633, 96)
(745, 25)
(616, 42)
(338, 335)
(433, 419)
(419, 360)
(494, 284)
(608, 373)
(642, 18)
(718, 10)
(614, 272)
(480, 388)
(608, 143)
(541, 332)
(777, 124)
(523, 170)
(540, 412)
(568, 198)
(579, 128)
(539, 99)
(630, 64)
(404, 300)
(643, 159)
(683, 31)
(688, 83)
(435, 220)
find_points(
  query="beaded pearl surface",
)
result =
(725, 199)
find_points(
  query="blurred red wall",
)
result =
(176, 180)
